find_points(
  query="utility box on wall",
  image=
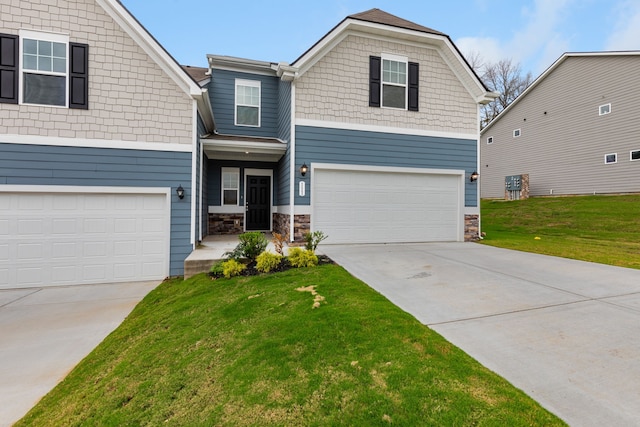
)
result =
(516, 187)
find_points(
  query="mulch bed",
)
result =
(284, 266)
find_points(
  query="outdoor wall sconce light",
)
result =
(304, 169)
(180, 192)
(474, 176)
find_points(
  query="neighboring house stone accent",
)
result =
(336, 89)
(130, 97)
(222, 223)
(471, 228)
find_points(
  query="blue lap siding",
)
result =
(82, 166)
(327, 145)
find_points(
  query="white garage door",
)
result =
(49, 239)
(359, 206)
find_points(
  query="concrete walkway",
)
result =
(45, 332)
(565, 332)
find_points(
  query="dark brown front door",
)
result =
(258, 202)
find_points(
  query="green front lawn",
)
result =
(251, 351)
(603, 229)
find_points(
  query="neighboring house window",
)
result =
(230, 186)
(393, 82)
(604, 109)
(43, 69)
(489, 140)
(247, 103)
(516, 133)
(611, 158)
(635, 155)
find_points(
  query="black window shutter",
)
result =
(413, 86)
(79, 76)
(8, 69)
(375, 69)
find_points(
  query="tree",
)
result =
(504, 77)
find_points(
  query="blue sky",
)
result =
(532, 32)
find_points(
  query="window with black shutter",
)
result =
(53, 71)
(393, 82)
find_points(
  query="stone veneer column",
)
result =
(471, 228)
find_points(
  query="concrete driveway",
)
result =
(565, 332)
(45, 332)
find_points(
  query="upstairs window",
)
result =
(43, 69)
(634, 155)
(604, 109)
(489, 140)
(517, 133)
(247, 103)
(393, 82)
(611, 158)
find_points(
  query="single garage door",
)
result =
(359, 206)
(49, 239)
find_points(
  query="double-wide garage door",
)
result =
(64, 238)
(361, 206)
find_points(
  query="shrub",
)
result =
(278, 242)
(217, 269)
(251, 245)
(267, 261)
(302, 258)
(313, 240)
(232, 268)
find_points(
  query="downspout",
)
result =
(292, 161)
(194, 164)
(200, 193)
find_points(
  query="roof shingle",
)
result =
(378, 16)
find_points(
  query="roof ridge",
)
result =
(379, 16)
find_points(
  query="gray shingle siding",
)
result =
(80, 166)
(222, 95)
(564, 139)
(325, 145)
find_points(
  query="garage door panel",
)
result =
(49, 244)
(373, 207)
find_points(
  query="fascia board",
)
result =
(239, 146)
(150, 45)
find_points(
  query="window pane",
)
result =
(30, 46)
(393, 96)
(247, 116)
(230, 197)
(44, 64)
(41, 89)
(635, 155)
(59, 65)
(59, 50)
(30, 62)
(45, 48)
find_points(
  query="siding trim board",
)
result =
(93, 143)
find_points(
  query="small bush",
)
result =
(313, 240)
(302, 258)
(217, 269)
(232, 268)
(267, 261)
(251, 245)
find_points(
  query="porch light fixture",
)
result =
(180, 192)
(304, 169)
(474, 176)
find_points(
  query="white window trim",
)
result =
(222, 188)
(250, 83)
(49, 37)
(631, 156)
(600, 113)
(489, 140)
(610, 154)
(396, 58)
(518, 132)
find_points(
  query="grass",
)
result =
(602, 229)
(251, 351)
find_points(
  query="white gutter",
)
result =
(292, 160)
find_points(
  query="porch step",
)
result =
(197, 266)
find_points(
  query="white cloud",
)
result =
(487, 48)
(626, 35)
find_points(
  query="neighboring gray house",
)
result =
(98, 128)
(575, 130)
(381, 111)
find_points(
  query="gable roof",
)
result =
(565, 56)
(199, 74)
(121, 15)
(378, 16)
(379, 23)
